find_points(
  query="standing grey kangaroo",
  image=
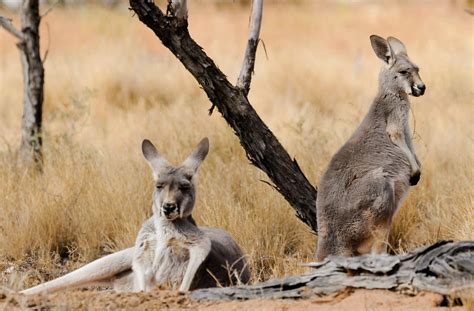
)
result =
(368, 178)
(170, 248)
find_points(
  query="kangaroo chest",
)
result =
(163, 255)
(170, 261)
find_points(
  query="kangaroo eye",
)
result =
(184, 187)
(403, 72)
(159, 186)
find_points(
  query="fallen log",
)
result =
(445, 267)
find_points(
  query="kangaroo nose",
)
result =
(421, 87)
(168, 208)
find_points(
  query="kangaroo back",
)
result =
(225, 265)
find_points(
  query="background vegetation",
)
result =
(110, 84)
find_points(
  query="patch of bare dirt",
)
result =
(348, 300)
(163, 299)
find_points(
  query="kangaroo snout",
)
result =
(415, 178)
(170, 208)
(418, 89)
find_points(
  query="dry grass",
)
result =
(110, 83)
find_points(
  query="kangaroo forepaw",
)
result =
(415, 178)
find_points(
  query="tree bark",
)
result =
(33, 79)
(445, 267)
(261, 146)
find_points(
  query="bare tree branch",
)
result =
(6, 23)
(262, 148)
(248, 64)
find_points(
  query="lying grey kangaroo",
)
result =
(368, 178)
(170, 248)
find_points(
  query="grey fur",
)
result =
(368, 178)
(170, 248)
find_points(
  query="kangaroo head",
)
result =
(399, 75)
(175, 191)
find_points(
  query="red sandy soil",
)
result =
(352, 300)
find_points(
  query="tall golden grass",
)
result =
(110, 83)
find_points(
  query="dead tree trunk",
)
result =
(33, 80)
(261, 146)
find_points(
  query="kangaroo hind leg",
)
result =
(378, 216)
(367, 219)
(101, 271)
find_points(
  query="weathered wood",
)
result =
(445, 267)
(262, 147)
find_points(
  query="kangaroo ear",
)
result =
(199, 154)
(156, 161)
(381, 49)
(396, 46)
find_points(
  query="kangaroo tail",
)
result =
(98, 271)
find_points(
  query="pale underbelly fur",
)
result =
(167, 268)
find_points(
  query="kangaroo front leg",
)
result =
(143, 278)
(143, 264)
(398, 138)
(197, 255)
(416, 177)
(139, 283)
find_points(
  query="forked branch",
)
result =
(262, 148)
